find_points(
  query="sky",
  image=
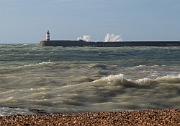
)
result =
(26, 21)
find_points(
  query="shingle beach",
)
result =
(170, 117)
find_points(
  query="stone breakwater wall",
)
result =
(71, 43)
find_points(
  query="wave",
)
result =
(120, 79)
(36, 64)
(102, 66)
(8, 111)
(169, 79)
(147, 66)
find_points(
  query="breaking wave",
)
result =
(36, 64)
(169, 79)
(120, 79)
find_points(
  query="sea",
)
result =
(35, 79)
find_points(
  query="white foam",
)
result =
(6, 111)
(145, 81)
(121, 80)
(42, 63)
(169, 78)
(36, 64)
(112, 79)
(140, 66)
(116, 80)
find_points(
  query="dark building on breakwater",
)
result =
(81, 43)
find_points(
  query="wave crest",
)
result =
(36, 64)
(112, 79)
(144, 82)
(169, 79)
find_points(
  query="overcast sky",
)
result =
(28, 20)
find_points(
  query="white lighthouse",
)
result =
(48, 36)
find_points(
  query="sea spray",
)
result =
(108, 38)
(112, 38)
(86, 38)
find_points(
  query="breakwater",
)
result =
(80, 43)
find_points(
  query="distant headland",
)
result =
(110, 41)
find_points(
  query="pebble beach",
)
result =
(168, 117)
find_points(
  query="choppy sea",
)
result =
(81, 79)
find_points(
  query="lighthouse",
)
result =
(48, 36)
